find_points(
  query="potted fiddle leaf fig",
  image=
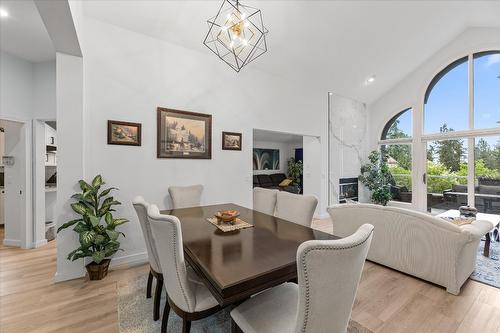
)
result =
(95, 226)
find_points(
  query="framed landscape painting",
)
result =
(266, 159)
(231, 141)
(124, 133)
(183, 134)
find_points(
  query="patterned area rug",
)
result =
(488, 269)
(135, 313)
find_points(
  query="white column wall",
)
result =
(70, 136)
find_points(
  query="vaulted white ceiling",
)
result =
(337, 43)
(23, 33)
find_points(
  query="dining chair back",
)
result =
(141, 208)
(185, 196)
(187, 295)
(328, 274)
(264, 200)
(168, 241)
(295, 207)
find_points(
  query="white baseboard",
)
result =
(130, 260)
(40, 243)
(12, 242)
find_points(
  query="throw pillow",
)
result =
(285, 182)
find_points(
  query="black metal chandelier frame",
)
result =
(220, 40)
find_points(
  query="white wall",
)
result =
(27, 90)
(70, 151)
(127, 75)
(16, 87)
(410, 93)
(44, 90)
(287, 150)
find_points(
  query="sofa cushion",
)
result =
(459, 188)
(265, 180)
(489, 189)
(255, 181)
(277, 178)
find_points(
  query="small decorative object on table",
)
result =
(459, 221)
(227, 216)
(468, 211)
(227, 220)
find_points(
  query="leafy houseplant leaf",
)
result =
(106, 192)
(81, 227)
(99, 239)
(87, 237)
(84, 186)
(94, 220)
(113, 235)
(118, 222)
(79, 208)
(98, 256)
(97, 181)
(69, 224)
(108, 218)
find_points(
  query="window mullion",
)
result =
(471, 140)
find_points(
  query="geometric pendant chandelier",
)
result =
(236, 34)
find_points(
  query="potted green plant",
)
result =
(295, 170)
(98, 239)
(376, 177)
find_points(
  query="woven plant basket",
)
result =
(98, 271)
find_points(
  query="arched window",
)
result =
(447, 102)
(396, 148)
(399, 127)
(461, 125)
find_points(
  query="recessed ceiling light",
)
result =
(370, 80)
(3, 13)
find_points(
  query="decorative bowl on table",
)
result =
(467, 211)
(227, 216)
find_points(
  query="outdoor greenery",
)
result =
(376, 176)
(97, 240)
(295, 170)
(444, 158)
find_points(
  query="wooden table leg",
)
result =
(486, 251)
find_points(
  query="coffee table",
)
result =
(493, 218)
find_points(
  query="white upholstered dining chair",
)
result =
(185, 196)
(186, 294)
(141, 208)
(328, 274)
(264, 200)
(296, 208)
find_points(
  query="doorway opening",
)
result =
(15, 195)
(287, 162)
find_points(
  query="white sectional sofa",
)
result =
(415, 243)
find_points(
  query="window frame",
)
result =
(419, 138)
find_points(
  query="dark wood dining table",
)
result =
(235, 265)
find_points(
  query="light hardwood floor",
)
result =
(387, 301)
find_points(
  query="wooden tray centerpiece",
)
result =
(228, 220)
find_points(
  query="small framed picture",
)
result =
(124, 133)
(231, 141)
